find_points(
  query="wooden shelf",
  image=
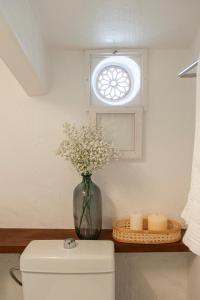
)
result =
(15, 240)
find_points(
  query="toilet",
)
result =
(60, 270)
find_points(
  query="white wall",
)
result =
(9, 290)
(151, 276)
(36, 187)
(196, 45)
(193, 278)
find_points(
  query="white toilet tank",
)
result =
(52, 272)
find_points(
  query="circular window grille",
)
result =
(116, 80)
(113, 83)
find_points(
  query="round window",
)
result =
(116, 80)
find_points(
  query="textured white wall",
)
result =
(9, 290)
(152, 276)
(196, 45)
(36, 187)
(193, 278)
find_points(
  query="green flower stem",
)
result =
(86, 202)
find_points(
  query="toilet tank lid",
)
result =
(50, 256)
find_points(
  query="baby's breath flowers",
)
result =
(86, 148)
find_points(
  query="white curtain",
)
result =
(191, 212)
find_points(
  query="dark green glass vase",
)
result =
(87, 204)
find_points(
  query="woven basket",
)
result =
(123, 233)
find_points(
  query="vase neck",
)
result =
(86, 177)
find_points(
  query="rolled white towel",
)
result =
(192, 237)
(191, 212)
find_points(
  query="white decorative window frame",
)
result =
(137, 112)
(141, 54)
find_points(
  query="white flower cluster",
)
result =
(86, 148)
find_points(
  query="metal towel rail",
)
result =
(185, 74)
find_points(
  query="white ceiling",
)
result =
(118, 23)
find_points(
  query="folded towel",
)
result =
(191, 212)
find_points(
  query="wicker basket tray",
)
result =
(123, 233)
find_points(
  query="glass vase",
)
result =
(87, 206)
